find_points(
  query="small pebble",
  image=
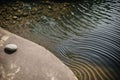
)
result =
(25, 14)
(14, 8)
(49, 7)
(10, 48)
(33, 13)
(14, 22)
(15, 17)
(19, 11)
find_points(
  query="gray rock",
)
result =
(10, 48)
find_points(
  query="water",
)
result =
(85, 37)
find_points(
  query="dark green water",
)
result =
(86, 38)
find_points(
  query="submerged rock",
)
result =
(15, 17)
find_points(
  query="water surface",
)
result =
(85, 35)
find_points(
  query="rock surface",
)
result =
(30, 61)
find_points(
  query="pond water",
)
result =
(85, 35)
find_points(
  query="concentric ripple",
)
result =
(86, 38)
(96, 54)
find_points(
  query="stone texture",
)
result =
(31, 62)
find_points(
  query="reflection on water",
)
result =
(85, 36)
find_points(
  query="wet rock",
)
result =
(33, 12)
(15, 17)
(35, 9)
(14, 22)
(7, 18)
(49, 7)
(20, 12)
(3, 10)
(39, 12)
(64, 5)
(10, 48)
(12, 13)
(40, 8)
(25, 14)
(15, 8)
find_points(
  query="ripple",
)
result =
(95, 54)
(86, 38)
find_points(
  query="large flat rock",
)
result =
(30, 61)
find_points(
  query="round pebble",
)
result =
(10, 48)
(15, 17)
